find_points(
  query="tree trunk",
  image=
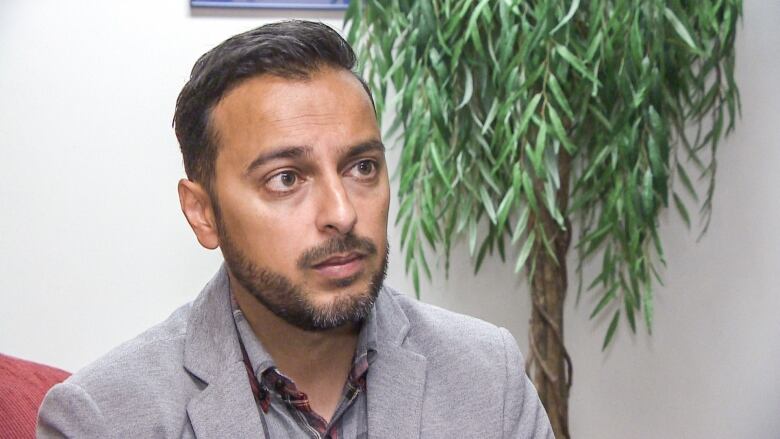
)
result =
(548, 363)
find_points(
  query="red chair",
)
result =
(23, 384)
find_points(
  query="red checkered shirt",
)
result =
(285, 410)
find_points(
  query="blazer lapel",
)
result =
(396, 377)
(226, 407)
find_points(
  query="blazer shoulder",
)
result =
(459, 348)
(436, 331)
(155, 352)
(143, 378)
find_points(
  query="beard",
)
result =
(292, 302)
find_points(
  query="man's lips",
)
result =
(340, 266)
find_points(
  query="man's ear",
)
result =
(196, 206)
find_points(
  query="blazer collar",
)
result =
(226, 407)
(211, 341)
(396, 378)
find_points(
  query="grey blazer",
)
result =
(436, 374)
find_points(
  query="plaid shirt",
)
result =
(286, 411)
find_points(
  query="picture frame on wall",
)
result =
(272, 4)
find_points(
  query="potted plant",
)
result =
(527, 120)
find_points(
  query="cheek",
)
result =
(263, 231)
(372, 207)
(256, 213)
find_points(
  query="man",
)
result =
(295, 336)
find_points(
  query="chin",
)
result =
(341, 289)
(337, 308)
(351, 283)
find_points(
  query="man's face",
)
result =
(302, 196)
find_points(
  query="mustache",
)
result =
(336, 245)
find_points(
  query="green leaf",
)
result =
(630, 309)
(679, 27)
(416, 281)
(576, 63)
(500, 246)
(421, 259)
(528, 188)
(490, 116)
(408, 177)
(559, 96)
(522, 222)
(488, 204)
(429, 230)
(611, 330)
(687, 182)
(397, 64)
(599, 117)
(657, 165)
(353, 16)
(606, 299)
(456, 21)
(682, 210)
(472, 30)
(468, 89)
(434, 99)
(594, 45)
(472, 235)
(572, 9)
(405, 230)
(537, 155)
(438, 165)
(647, 193)
(437, 64)
(504, 207)
(647, 304)
(551, 164)
(559, 130)
(487, 243)
(517, 178)
(393, 129)
(405, 209)
(525, 251)
(410, 246)
(528, 112)
(488, 176)
(547, 243)
(552, 207)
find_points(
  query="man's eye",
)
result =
(365, 168)
(283, 181)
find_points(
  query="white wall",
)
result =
(93, 247)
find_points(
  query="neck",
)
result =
(307, 357)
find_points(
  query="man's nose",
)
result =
(336, 213)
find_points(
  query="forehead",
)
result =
(330, 109)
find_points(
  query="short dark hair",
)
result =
(290, 49)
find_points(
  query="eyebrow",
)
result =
(293, 152)
(289, 152)
(364, 147)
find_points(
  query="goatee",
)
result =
(291, 302)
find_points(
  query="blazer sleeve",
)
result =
(69, 411)
(524, 416)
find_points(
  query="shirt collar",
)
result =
(261, 360)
